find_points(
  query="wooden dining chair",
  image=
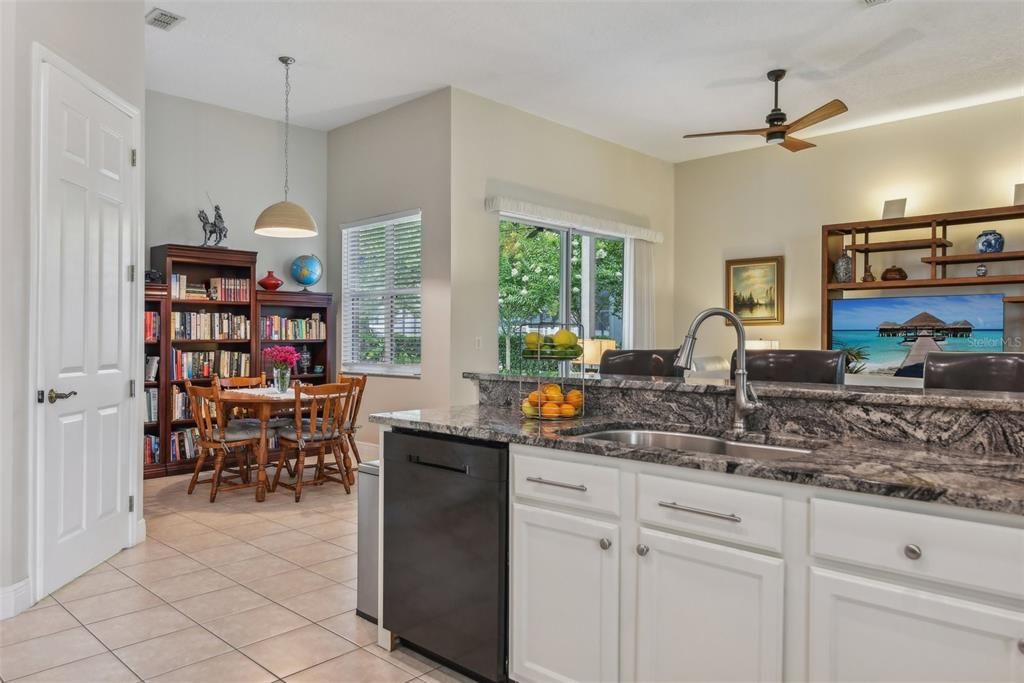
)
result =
(320, 433)
(220, 438)
(358, 387)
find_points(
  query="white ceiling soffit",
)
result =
(637, 73)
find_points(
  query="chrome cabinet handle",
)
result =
(54, 396)
(642, 550)
(700, 511)
(1020, 645)
(606, 543)
(912, 551)
(559, 484)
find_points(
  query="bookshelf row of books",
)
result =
(197, 364)
(152, 326)
(212, 326)
(152, 367)
(276, 327)
(184, 445)
(151, 449)
(181, 409)
(219, 289)
(152, 404)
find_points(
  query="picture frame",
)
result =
(755, 289)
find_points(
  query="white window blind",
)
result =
(382, 308)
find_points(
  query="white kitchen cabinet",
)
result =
(867, 630)
(706, 612)
(565, 597)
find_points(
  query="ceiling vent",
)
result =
(162, 19)
(872, 3)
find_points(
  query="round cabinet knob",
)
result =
(642, 550)
(606, 543)
(912, 551)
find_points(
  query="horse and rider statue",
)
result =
(216, 232)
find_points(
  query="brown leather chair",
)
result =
(794, 365)
(645, 362)
(974, 371)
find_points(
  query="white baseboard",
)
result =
(15, 598)
(140, 530)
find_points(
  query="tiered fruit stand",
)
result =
(552, 398)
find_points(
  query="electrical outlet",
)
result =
(478, 343)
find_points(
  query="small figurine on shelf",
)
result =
(868, 275)
(305, 359)
(214, 232)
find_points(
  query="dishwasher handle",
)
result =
(417, 460)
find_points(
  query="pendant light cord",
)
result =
(287, 122)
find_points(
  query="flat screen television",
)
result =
(892, 335)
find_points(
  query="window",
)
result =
(382, 309)
(543, 271)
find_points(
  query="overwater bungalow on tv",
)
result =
(925, 324)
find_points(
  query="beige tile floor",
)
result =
(230, 592)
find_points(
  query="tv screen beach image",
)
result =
(892, 336)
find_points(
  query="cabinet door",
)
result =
(706, 612)
(866, 630)
(565, 597)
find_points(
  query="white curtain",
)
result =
(640, 265)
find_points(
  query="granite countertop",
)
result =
(937, 475)
(861, 394)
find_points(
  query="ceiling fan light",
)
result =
(776, 136)
(285, 219)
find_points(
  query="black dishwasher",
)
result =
(446, 549)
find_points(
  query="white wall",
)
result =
(105, 40)
(194, 148)
(396, 160)
(769, 201)
(497, 149)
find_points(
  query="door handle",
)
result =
(54, 396)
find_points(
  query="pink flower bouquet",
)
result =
(282, 357)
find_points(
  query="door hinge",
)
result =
(134, 156)
(131, 273)
(131, 503)
(131, 387)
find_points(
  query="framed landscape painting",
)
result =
(755, 289)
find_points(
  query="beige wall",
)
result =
(768, 201)
(194, 148)
(393, 161)
(104, 40)
(497, 149)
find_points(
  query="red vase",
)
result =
(270, 281)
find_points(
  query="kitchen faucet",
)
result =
(746, 400)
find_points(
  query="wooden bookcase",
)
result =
(199, 265)
(932, 234)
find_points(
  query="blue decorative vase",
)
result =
(843, 270)
(307, 270)
(990, 242)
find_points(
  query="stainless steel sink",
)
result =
(678, 441)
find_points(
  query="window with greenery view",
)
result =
(381, 300)
(543, 271)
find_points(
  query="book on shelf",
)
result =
(281, 328)
(152, 367)
(200, 364)
(152, 326)
(151, 449)
(201, 325)
(181, 409)
(184, 445)
(234, 289)
(152, 404)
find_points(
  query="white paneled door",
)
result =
(84, 311)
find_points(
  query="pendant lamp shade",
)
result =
(285, 219)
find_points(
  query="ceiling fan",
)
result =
(778, 131)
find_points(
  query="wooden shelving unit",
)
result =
(301, 306)
(855, 238)
(156, 300)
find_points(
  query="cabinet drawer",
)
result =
(753, 519)
(970, 554)
(587, 487)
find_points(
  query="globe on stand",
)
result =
(307, 270)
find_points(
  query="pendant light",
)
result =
(285, 219)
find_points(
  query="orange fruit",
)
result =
(552, 390)
(551, 410)
(534, 398)
(575, 398)
(568, 410)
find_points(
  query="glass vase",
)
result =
(282, 379)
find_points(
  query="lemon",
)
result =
(532, 340)
(565, 339)
(528, 409)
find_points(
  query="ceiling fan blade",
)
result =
(751, 131)
(795, 144)
(822, 113)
